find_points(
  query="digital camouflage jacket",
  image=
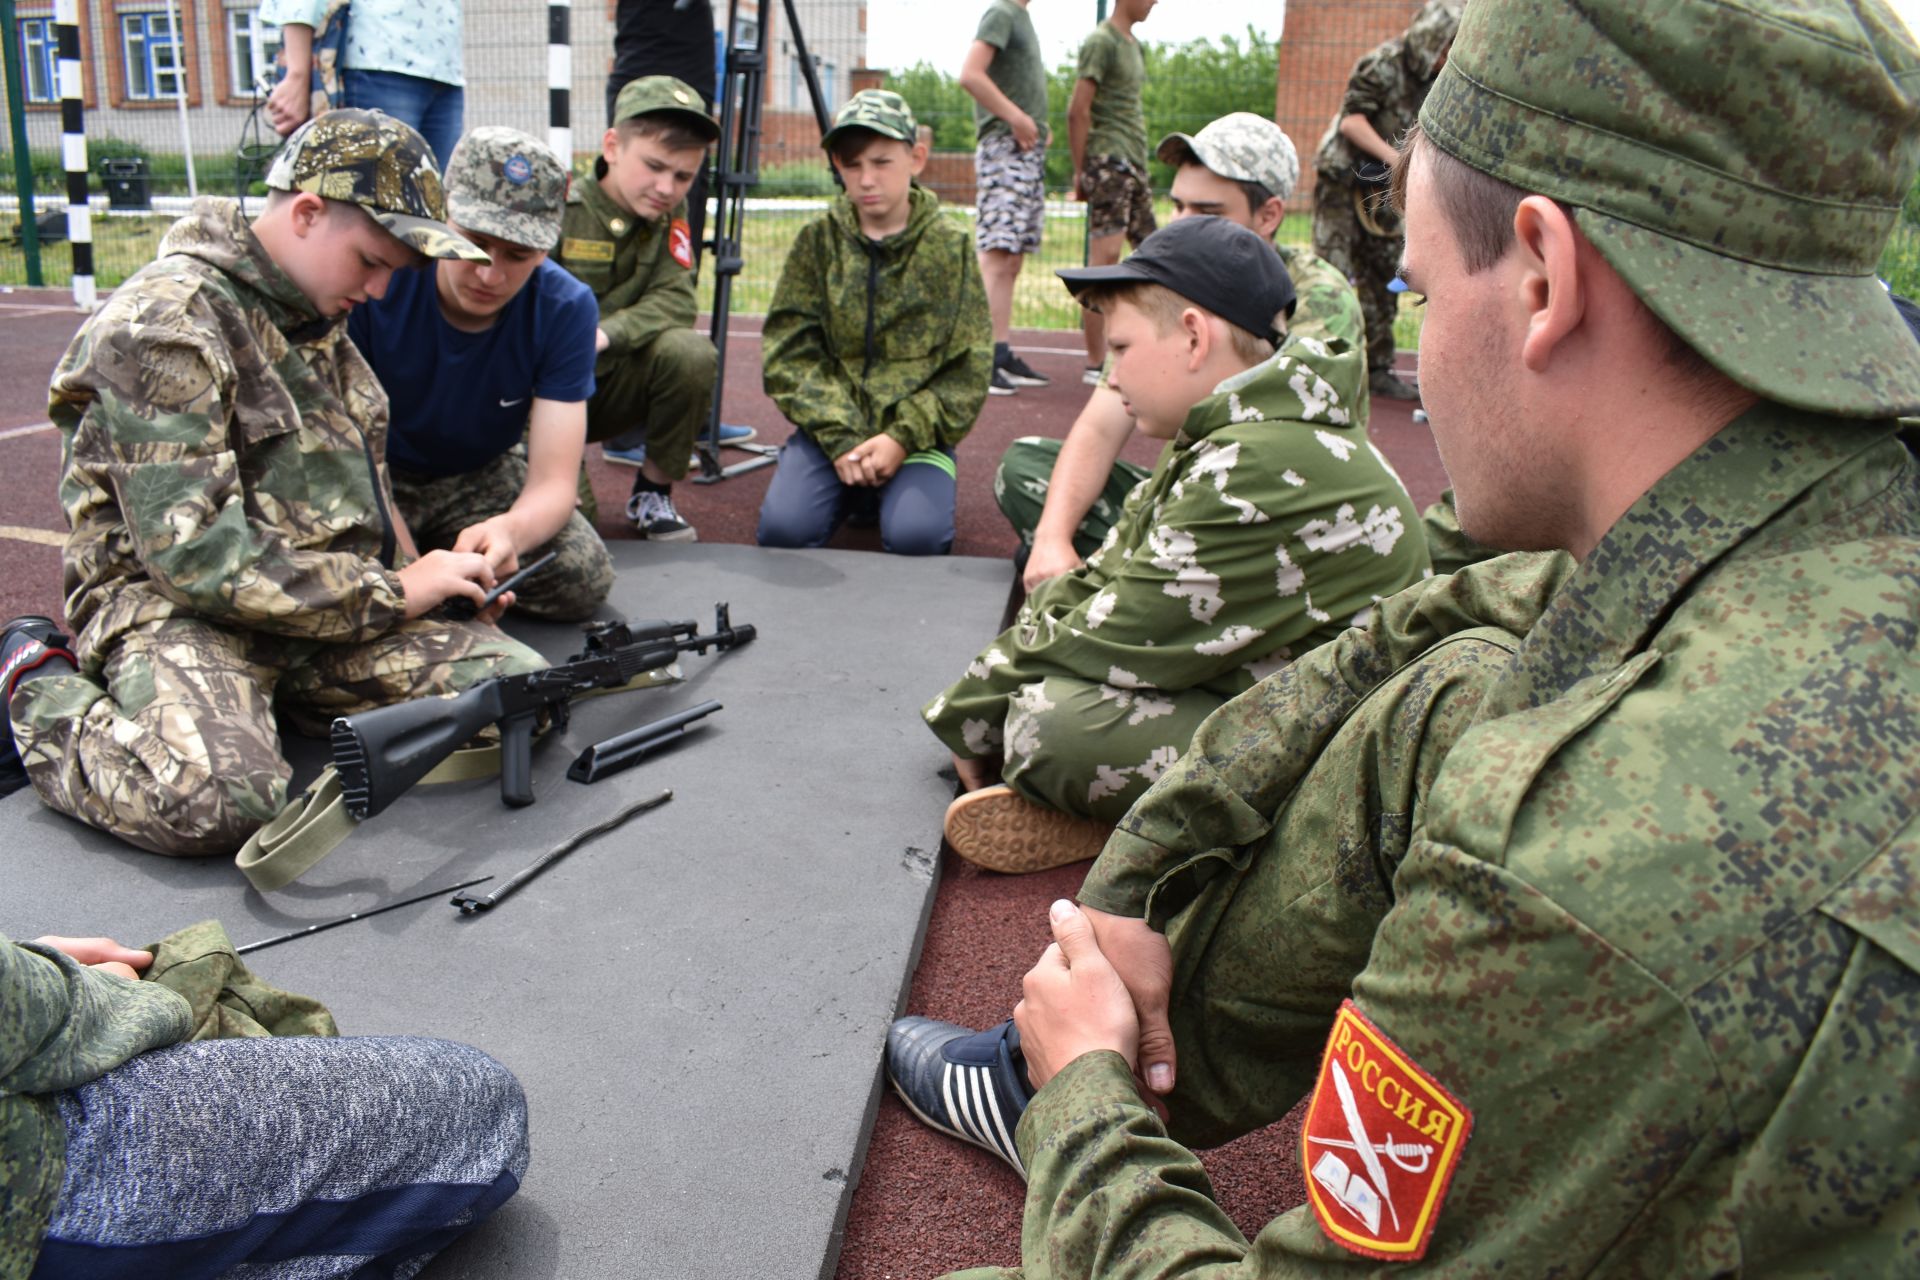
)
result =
(1268, 526)
(641, 272)
(61, 1025)
(891, 336)
(225, 453)
(1654, 931)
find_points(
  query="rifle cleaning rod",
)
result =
(358, 915)
(470, 905)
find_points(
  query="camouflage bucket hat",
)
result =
(370, 159)
(650, 94)
(502, 182)
(1740, 167)
(881, 110)
(1241, 146)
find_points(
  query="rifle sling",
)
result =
(316, 821)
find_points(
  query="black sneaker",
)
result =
(1001, 385)
(26, 645)
(655, 519)
(1390, 385)
(962, 1082)
(1021, 374)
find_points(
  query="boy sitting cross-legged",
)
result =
(878, 347)
(1268, 526)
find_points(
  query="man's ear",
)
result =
(1197, 327)
(1551, 290)
(305, 212)
(1267, 218)
(609, 145)
(918, 159)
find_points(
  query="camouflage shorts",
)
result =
(1011, 195)
(1118, 201)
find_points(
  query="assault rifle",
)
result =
(379, 754)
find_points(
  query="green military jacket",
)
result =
(225, 453)
(641, 272)
(892, 336)
(61, 1025)
(1655, 932)
(1387, 86)
(1268, 526)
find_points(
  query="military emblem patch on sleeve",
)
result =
(680, 242)
(1380, 1143)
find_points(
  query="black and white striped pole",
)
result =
(560, 80)
(73, 149)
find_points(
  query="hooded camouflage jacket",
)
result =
(1269, 525)
(641, 272)
(226, 453)
(61, 1025)
(1655, 928)
(891, 336)
(1387, 87)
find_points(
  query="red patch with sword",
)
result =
(680, 242)
(1380, 1143)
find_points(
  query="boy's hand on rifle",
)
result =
(493, 539)
(438, 576)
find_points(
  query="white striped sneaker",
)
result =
(962, 1082)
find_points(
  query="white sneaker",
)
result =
(655, 519)
(1091, 375)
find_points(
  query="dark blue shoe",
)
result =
(26, 644)
(962, 1082)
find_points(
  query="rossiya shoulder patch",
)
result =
(1380, 1143)
(587, 250)
(680, 242)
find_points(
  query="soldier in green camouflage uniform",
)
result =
(1085, 496)
(627, 237)
(1637, 958)
(232, 558)
(1354, 227)
(878, 347)
(1268, 526)
(488, 369)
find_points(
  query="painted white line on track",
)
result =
(33, 430)
(45, 537)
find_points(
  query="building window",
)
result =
(152, 51)
(829, 84)
(252, 45)
(37, 60)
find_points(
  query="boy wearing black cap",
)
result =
(1268, 526)
(626, 236)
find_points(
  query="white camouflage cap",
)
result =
(1241, 146)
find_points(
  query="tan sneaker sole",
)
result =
(999, 831)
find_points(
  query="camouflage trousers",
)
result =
(1091, 749)
(175, 745)
(1010, 198)
(1020, 487)
(438, 508)
(1369, 262)
(1118, 201)
(1267, 939)
(658, 396)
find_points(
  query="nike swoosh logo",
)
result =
(508, 404)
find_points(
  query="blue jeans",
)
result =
(437, 110)
(806, 502)
(300, 1157)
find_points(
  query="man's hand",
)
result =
(1049, 559)
(290, 103)
(1075, 1003)
(601, 341)
(101, 953)
(1025, 132)
(976, 773)
(492, 538)
(1141, 957)
(872, 462)
(438, 576)
(1079, 187)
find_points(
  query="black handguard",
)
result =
(380, 754)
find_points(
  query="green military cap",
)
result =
(381, 164)
(881, 110)
(1740, 166)
(502, 182)
(1241, 146)
(650, 94)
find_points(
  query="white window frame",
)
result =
(260, 39)
(163, 83)
(41, 67)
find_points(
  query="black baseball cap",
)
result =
(1216, 264)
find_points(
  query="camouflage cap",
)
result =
(1241, 146)
(502, 182)
(881, 110)
(650, 94)
(381, 164)
(1740, 166)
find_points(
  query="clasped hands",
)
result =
(1103, 983)
(872, 462)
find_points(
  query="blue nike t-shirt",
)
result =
(460, 400)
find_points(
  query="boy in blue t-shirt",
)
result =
(476, 358)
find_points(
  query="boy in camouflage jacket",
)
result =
(233, 553)
(878, 347)
(1269, 525)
